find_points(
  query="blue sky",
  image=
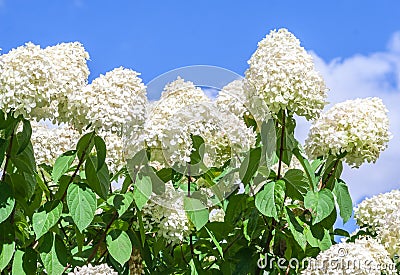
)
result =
(155, 36)
(356, 45)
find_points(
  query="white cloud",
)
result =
(394, 44)
(377, 74)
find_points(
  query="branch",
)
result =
(331, 173)
(81, 161)
(281, 144)
(188, 194)
(103, 236)
(8, 155)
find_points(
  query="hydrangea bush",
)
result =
(116, 184)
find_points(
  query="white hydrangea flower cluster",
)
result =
(223, 133)
(184, 110)
(26, 82)
(51, 83)
(49, 143)
(380, 214)
(282, 74)
(112, 102)
(34, 81)
(217, 215)
(102, 269)
(70, 65)
(363, 257)
(359, 127)
(232, 99)
(169, 221)
(176, 95)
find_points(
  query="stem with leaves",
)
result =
(78, 167)
(281, 147)
(188, 194)
(102, 238)
(8, 155)
(281, 150)
(331, 173)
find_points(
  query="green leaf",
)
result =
(4, 123)
(296, 184)
(3, 146)
(62, 165)
(17, 263)
(101, 151)
(341, 232)
(23, 184)
(82, 205)
(47, 217)
(142, 190)
(289, 141)
(53, 254)
(119, 246)
(63, 184)
(316, 164)
(25, 136)
(332, 171)
(31, 207)
(121, 202)
(270, 200)
(85, 146)
(326, 241)
(236, 208)
(134, 163)
(268, 139)
(320, 203)
(165, 174)
(157, 185)
(198, 153)
(245, 261)
(23, 177)
(24, 161)
(307, 168)
(317, 236)
(126, 184)
(344, 200)
(6, 255)
(296, 229)
(98, 180)
(9, 124)
(196, 211)
(41, 184)
(216, 243)
(193, 268)
(250, 165)
(253, 226)
(25, 262)
(141, 228)
(7, 202)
